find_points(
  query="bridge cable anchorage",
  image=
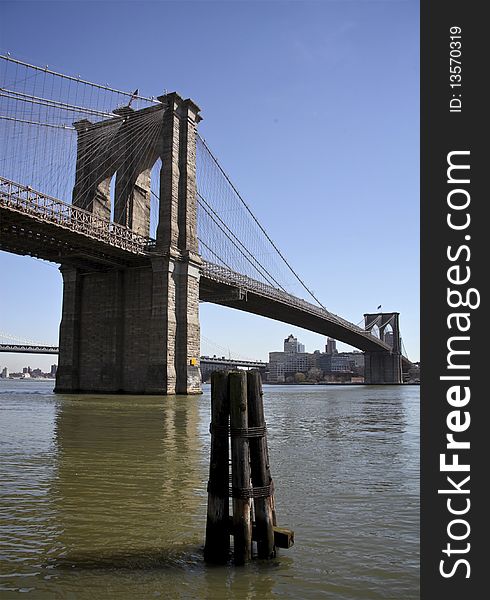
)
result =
(230, 183)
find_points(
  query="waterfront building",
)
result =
(283, 366)
(331, 347)
(388, 338)
(292, 346)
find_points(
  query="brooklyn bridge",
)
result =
(123, 193)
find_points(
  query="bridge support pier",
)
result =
(135, 329)
(130, 331)
(382, 368)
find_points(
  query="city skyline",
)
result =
(326, 240)
(329, 347)
(19, 361)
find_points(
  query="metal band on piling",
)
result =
(253, 492)
(235, 432)
(234, 492)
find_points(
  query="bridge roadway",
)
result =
(34, 224)
(206, 361)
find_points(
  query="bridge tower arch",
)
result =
(127, 328)
(384, 366)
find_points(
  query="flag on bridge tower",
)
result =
(379, 307)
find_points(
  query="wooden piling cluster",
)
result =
(237, 416)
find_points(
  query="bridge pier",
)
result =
(129, 330)
(382, 368)
(135, 329)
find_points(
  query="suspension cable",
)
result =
(25, 121)
(77, 79)
(14, 95)
(258, 223)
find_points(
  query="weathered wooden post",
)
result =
(217, 547)
(237, 397)
(240, 468)
(260, 469)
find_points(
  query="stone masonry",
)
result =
(135, 329)
(384, 367)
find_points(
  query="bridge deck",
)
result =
(38, 225)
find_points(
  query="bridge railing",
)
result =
(24, 199)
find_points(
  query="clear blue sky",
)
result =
(311, 107)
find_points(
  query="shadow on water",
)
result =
(179, 557)
(127, 476)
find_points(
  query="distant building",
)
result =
(334, 365)
(340, 364)
(356, 359)
(388, 337)
(283, 365)
(331, 347)
(5, 373)
(292, 346)
(54, 368)
(324, 361)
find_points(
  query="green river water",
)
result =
(105, 496)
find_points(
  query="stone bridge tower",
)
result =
(135, 328)
(384, 367)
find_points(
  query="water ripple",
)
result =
(105, 496)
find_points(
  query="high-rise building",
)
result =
(5, 373)
(292, 346)
(388, 338)
(333, 365)
(54, 368)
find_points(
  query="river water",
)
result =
(105, 496)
